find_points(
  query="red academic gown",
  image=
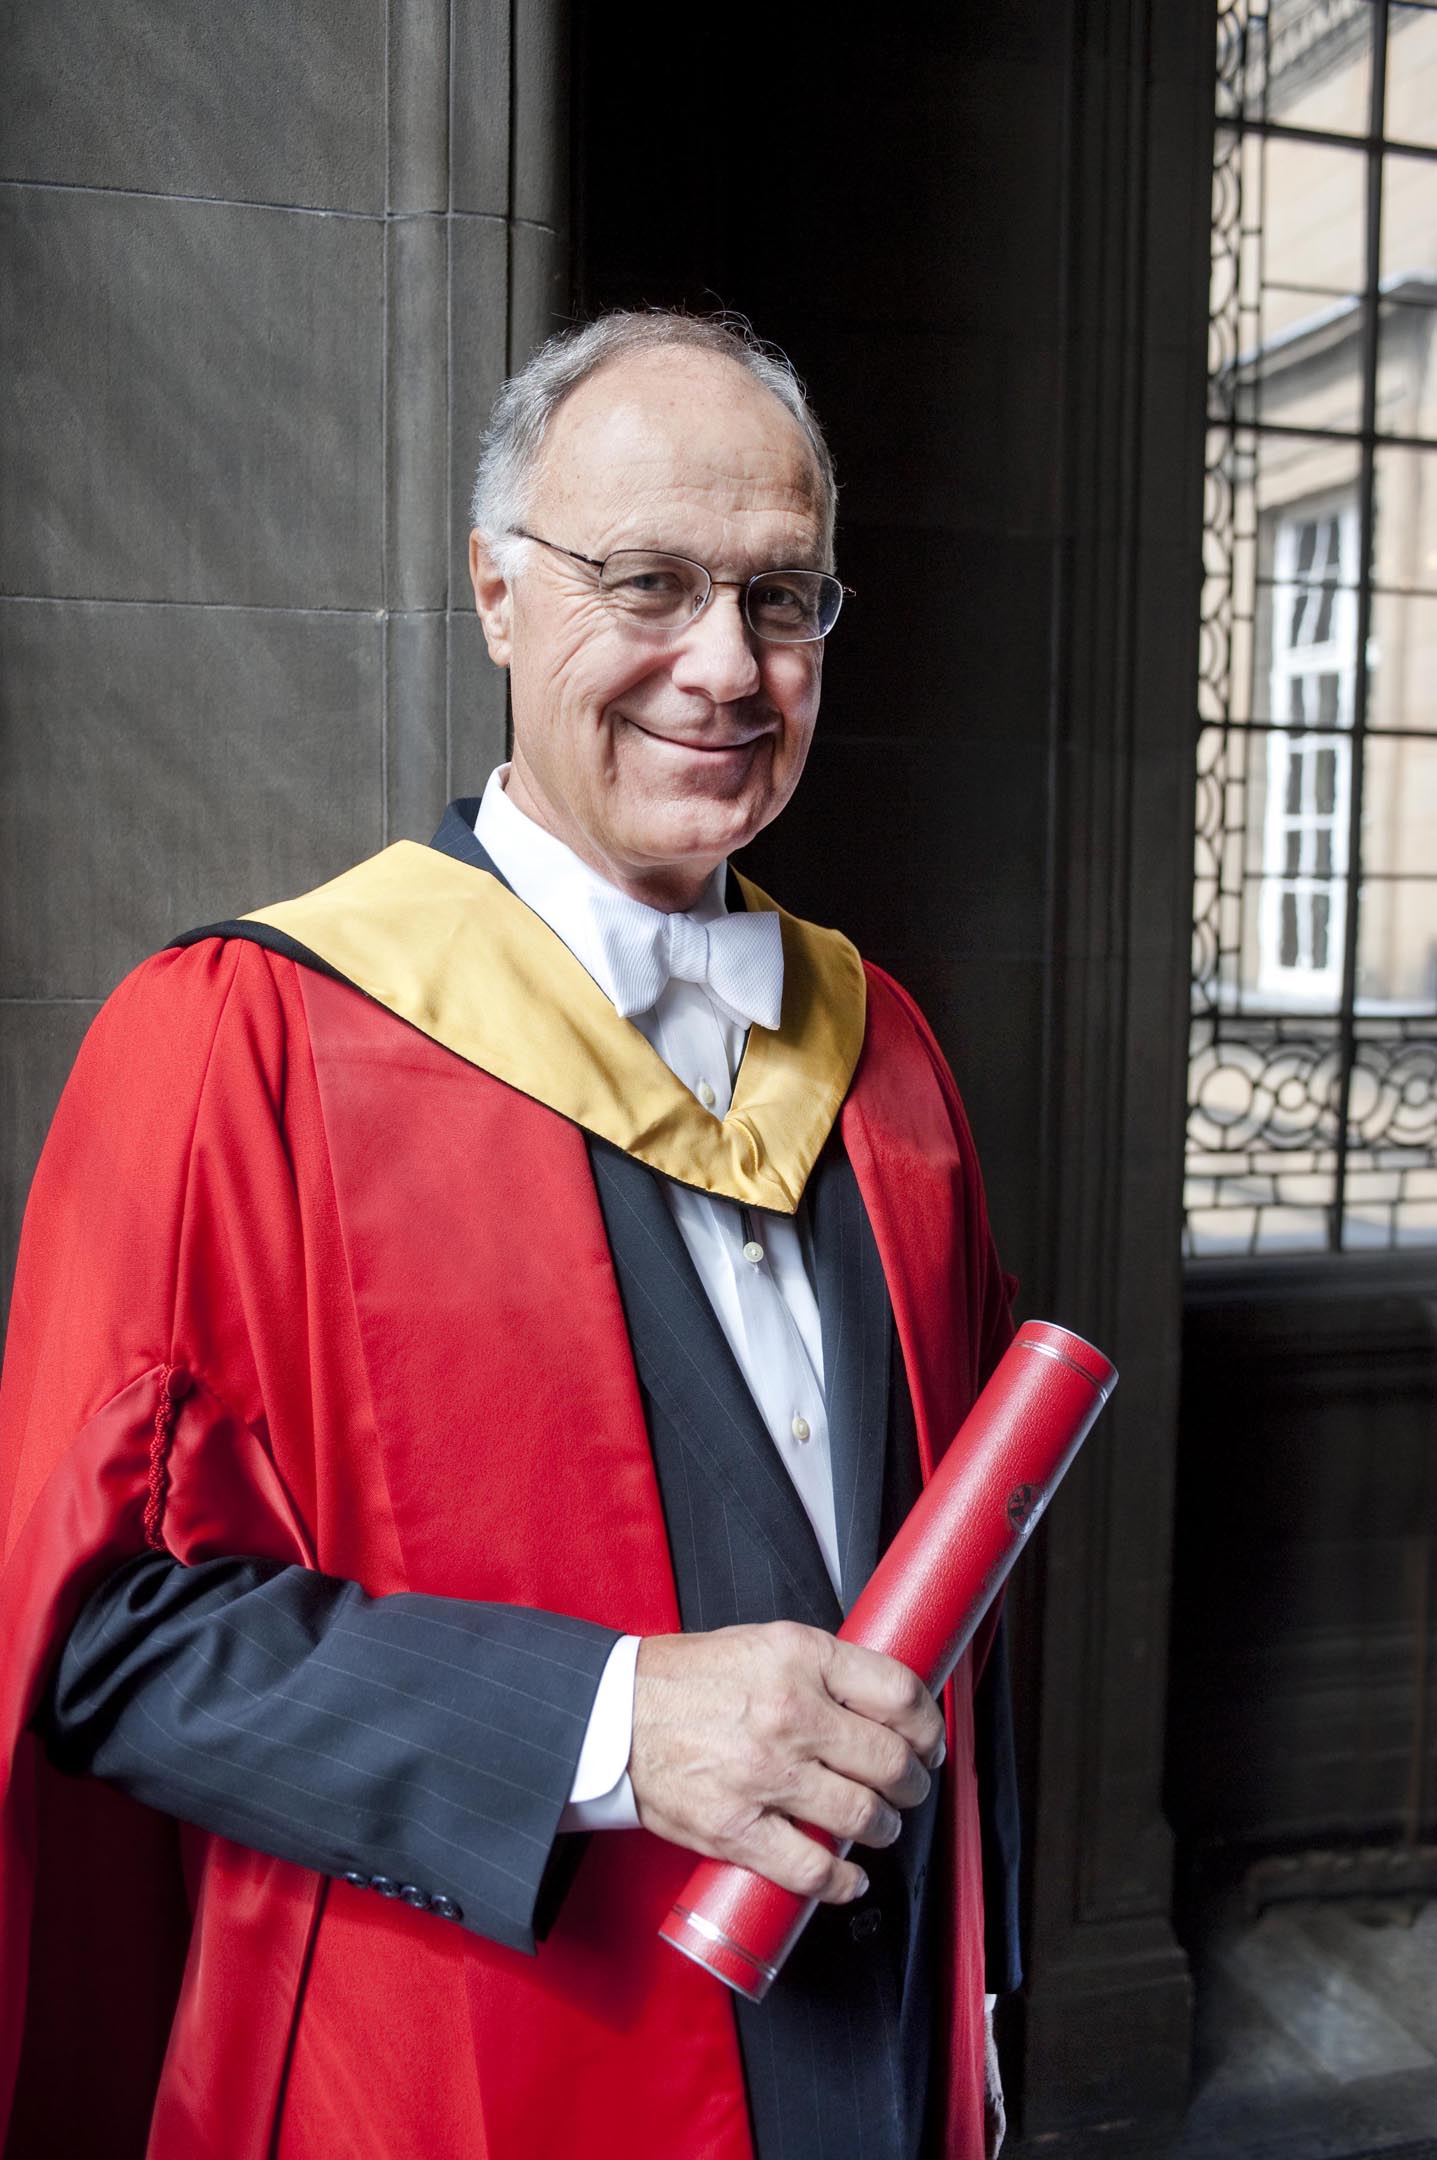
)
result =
(297, 1281)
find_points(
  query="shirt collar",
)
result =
(552, 880)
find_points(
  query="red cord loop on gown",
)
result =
(174, 1387)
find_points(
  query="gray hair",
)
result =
(519, 423)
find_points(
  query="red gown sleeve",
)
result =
(140, 1406)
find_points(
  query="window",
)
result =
(1313, 1069)
(1309, 774)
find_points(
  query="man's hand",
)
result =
(742, 1733)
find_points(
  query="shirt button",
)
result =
(753, 1252)
(706, 1095)
(801, 1429)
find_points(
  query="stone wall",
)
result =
(265, 268)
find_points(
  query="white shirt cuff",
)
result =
(601, 1797)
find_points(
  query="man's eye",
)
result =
(776, 601)
(649, 585)
(650, 593)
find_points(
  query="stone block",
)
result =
(479, 108)
(38, 1042)
(478, 708)
(538, 289)
(540, 119)
(416, 729)
(478, 362)
(194, 406)
(419, 106)
(161, 768)
(246, 102)
(418, 526)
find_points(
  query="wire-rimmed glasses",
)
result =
(663, 593)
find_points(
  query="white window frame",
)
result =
(1296, 660)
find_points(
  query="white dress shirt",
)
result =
(752, 1264)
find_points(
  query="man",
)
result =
(476, 1328)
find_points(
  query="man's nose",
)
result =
(716, 653)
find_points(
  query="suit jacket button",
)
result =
(385, 1885)
(863, 1926)
(352, 1875)
(413, 1895)
(446, 1908)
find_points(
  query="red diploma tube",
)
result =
(923, 1603)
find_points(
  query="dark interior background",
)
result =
(844, 203)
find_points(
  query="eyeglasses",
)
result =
(659, 592)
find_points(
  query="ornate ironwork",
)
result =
(1266, 1098)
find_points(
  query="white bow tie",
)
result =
(738, 959)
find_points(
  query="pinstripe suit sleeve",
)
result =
(421, 1746)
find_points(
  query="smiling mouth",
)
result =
(708, 749)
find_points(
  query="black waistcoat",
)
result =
(836, 2059)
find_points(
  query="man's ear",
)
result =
(492, 599)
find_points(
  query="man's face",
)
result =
(653, 756)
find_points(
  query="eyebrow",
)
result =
(808, 558)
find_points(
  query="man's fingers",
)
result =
(743, 1731)
(779, 1850)
(847, 1810)
(874, 1755)
(878, 1687)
